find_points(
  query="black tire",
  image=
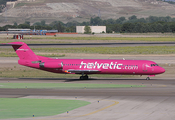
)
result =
(81, 77)
(86, 77)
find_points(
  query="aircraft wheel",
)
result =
(147, 78)
(81, 77)
(86, 77)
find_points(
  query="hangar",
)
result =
(94, 29)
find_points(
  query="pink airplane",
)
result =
(84, 66)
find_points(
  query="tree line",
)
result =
(120, 25)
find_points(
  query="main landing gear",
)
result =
(84, 77)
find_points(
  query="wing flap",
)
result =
(81, 71)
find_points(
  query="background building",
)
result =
(95, 29)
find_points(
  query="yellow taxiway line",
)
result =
(115, 103)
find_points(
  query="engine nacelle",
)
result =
(53, 65)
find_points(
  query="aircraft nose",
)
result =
(162, 70)
(159, 70)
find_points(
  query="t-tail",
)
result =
(25, 54)
(23, 51)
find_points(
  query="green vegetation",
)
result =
(114, 50)
(114, 38)
(8, 52)
(54, 40)
(63, 85)
(26, 108)
(87, 30)
(20, 4)
(121, 25)
(13, 54)
(3, 54)
(38, 41)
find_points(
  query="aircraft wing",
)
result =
(81, 71)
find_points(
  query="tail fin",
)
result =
(23, 51)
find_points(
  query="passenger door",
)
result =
(144, 68)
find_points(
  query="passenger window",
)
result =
(36, 61)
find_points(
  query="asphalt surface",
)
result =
(153, 102)
(155, 87)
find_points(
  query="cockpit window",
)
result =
(154, 65)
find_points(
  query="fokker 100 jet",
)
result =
(84, 67)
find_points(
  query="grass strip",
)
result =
(37, 39)
(26, 108)
(34, 41)
(109, 38)
(64, 85)
(113, 50)
(100, 50)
